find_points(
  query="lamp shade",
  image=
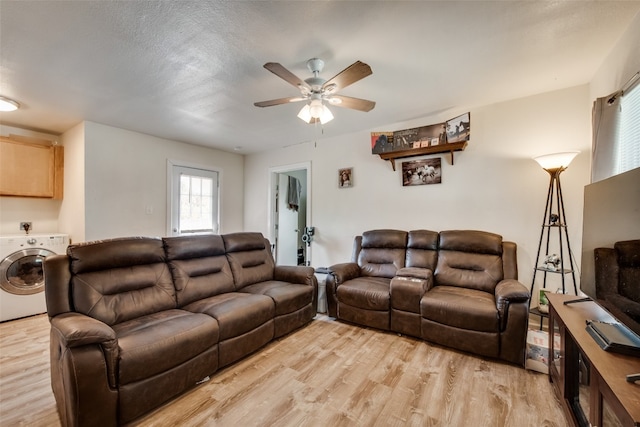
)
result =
(305, 113)
(315, 110)
(326, 115)
(556, 160)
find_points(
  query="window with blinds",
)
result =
(627, 153)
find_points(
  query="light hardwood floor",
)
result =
(326, 374)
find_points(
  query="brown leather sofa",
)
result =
(456, 288)
(617, 277)
(136, 321)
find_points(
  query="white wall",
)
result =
(43, 213)
(126, 172)
(494, 185)
(622, 62)
(72, 212)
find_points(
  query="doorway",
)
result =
(290, 213)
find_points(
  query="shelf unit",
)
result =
(443, 148)
(554, 222)
(562, 271)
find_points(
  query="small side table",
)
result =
(321, 274)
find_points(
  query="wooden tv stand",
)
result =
(590, 382)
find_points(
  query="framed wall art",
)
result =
(422, 172)
(345, 177)
(459, 129)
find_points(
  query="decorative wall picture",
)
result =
(422, 172)
(459, 129)
(381, 142)
(424, 136)
(345, 177)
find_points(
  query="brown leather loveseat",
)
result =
(456, 288)
(136, 321)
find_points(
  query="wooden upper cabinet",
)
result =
(31, 169)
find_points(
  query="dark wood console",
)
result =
(590, 382)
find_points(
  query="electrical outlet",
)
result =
(27, 224)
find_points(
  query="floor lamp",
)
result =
(554, 164)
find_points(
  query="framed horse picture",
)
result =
(422, 172)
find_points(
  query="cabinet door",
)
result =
(30, 170)
(556, 353)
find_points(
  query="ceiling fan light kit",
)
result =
(315, 110)
(316, 90)
(7, 104)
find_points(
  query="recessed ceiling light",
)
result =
(7, 104)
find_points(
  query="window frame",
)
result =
(173, 211)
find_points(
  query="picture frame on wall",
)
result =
(345, 177)
(459, 128)
(422, 172)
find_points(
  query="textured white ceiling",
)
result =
(191, 70)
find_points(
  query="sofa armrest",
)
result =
(345, 271)
(337, 275)
(408, 288)
(416, 273)
(76, 330)
(294, 274)
(512, 301)
(510, 291)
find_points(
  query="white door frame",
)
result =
(273, 181)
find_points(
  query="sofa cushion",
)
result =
(199, 267)
(382, 253)
(236, 312)
(370, 293)
(120, 279)
(422, 249)
(461, 308)
(157, 342)
(249, 257)
(469, 259)
(629, 265)
(287, 297)
(471, 241)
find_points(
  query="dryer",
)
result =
(21, 272)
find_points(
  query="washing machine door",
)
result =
(21, 272)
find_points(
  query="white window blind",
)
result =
(627, 153)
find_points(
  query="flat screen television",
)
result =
(611, 214)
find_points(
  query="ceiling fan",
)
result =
(317, 90)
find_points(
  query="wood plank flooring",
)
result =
(326, 374)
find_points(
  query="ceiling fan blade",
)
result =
(353, 103)
(279, 101)
(285, 74)
(354, 72)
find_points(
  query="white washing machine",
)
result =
(21, 275)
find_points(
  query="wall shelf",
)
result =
(444, 148)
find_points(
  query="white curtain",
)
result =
(606, 116)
